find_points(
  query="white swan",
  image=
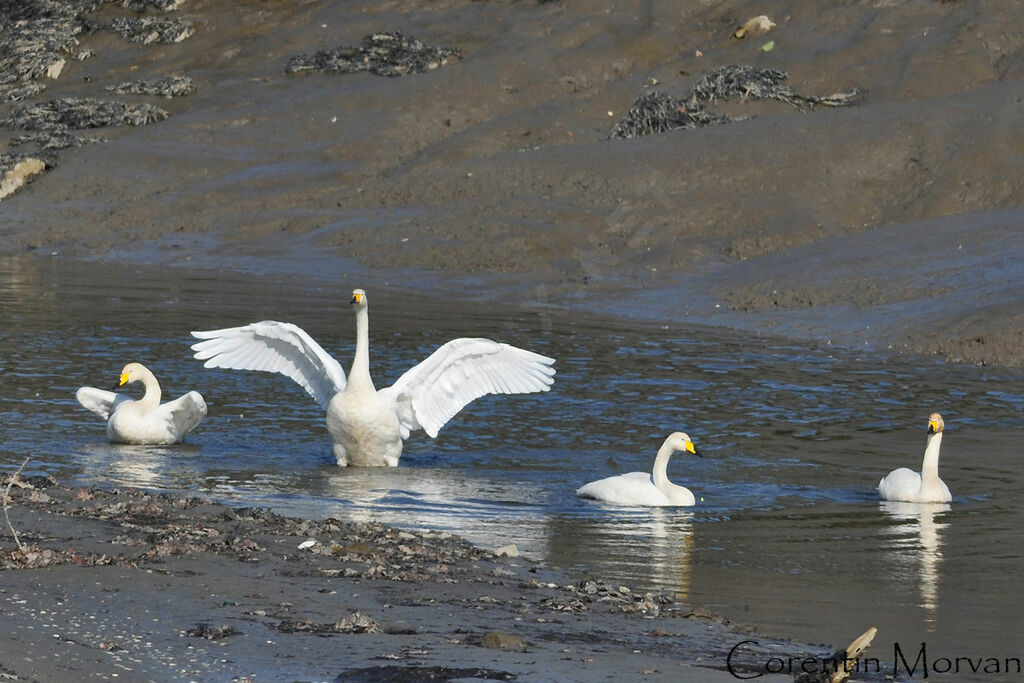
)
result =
(640, 488)
(909, 486)
(368, 426)
(146, 421)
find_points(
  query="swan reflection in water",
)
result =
(163, 468)
(924, 544)
(613, 545)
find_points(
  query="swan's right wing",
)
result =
(100, 401)
(270, 346)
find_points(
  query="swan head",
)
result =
(132, 372)
(358, 299)
(935, 424)
(680, 441)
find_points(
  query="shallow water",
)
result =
(787, 534)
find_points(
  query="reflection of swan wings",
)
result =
(270, 346)
(100, 401)
(431, 393)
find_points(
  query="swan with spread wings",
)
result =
(367, 425)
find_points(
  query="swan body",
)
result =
(368, 426)
(145, 421)
(641, 488)
(925, 487)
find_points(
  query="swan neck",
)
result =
(360, 373)
(660, 473)
(930, 466)
(151, 399)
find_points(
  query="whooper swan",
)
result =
(640, 488)
(368, 426)
(145, 421)
(907, 485)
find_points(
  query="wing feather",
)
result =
(100, 401)
(186, 412)
(431, 393)
(271, 346)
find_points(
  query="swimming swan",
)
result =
(368, 426)
(640, 488)
(909, 486)
(146, 421)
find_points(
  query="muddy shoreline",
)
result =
(148, 586)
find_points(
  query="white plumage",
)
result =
(640, 488)
(145, 421)
(368, 426)
(925, 487)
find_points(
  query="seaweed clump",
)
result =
(749, 82)
(54, 120)
(148, 30)
(657, 113)
(384, 54)
(34, 37)
(172, 86)
(143, 5)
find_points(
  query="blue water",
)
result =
(787, 535)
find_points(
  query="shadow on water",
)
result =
(787, 534)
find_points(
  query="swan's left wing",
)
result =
(186, 412)
(430, 394)
(100, 401)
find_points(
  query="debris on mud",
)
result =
(212, 632)
(384, 54)
(357, 622)
(16, 170)
(159, 5)
(35, 36)
(755, 26)
(657, 112)
(149, 30)
(749, 82)
(82, 112)
(172, 86)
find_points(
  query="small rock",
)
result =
(509, 550)
(496, 640)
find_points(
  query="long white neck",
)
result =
(930, 466)
(151, 399)
(660, 473)
(359, 376)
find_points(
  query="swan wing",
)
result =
(431, 393)
(270, 346)
(100, 401)
(185, 412)
(900, 484)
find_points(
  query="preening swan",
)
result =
(145, 421)
(640, 488)
(909, 486)
(368, 426)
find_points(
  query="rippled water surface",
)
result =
(787, 535)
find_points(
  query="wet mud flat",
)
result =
(146, 586)
(500, 164)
